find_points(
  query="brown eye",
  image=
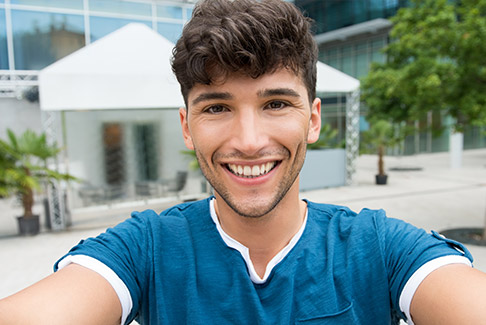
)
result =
(216, 109)
(276, 105)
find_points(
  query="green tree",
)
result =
(23, 166)
(435, 62)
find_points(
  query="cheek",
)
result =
(204, 141)
(292, 133)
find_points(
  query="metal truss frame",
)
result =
(14, 82)
(352, 134)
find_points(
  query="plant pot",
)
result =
(381, 179)
(28, 226)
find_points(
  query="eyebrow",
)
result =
(211, 96)
(278, 92)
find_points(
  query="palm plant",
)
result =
(23, 167)
(327, 138)
(377, 139)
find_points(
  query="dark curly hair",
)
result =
(248, 36)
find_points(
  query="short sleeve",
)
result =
(406, 248)
(125, 249)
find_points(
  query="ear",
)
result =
(185, 128)
(315, 121)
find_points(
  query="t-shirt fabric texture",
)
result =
(346, 268)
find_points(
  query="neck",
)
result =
(264, 236)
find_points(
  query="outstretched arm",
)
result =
(452, 294)
(73, 295)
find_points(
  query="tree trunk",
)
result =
(381, 168)
(28, 198)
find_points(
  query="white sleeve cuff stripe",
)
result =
(419, 275)
(118, 285)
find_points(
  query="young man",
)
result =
(255, 253)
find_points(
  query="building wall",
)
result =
(19, 115)
(37, 33)
(354, 53)
(335, 14)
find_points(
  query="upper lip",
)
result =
(249, 163)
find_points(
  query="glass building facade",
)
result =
(36, 33)
(350, 36)
(335, 14)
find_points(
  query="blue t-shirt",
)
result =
(347, 268)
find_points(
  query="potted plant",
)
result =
(23, 168)
(377, 139)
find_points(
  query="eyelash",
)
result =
(221, 108)
(281, 104)
(212, 107)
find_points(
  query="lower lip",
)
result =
(254, 180)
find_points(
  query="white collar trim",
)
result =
(245, 252)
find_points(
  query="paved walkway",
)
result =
(435, 197)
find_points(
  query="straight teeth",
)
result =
(251, 171)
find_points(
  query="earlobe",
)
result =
(315, 121)
(185, 128)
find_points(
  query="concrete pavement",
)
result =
(436, 197)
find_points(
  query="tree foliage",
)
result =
(23, 166)
(381, 135)
(436, 61)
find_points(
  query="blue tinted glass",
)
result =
(121, 7)
(170, 31)
(169, 12)
(3, 41)
(376, 9)
(70, 4)
(359, 11)
(101, 26)
(188, 13)
(41, 38)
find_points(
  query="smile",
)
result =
(251, 171)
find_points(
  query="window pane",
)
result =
(335, 63)
(378, 56)
(378, 44)
(70, 4)
(170, 31)
(188, 13)
(169, 12)
(376, 9)
(348, 61)
(146, 149)
(359, 11)
(3, 42)
(102, 26)
(121, 7)
(361, 64)
(40, 38)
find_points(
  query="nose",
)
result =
(249, 132)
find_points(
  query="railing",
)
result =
(14, 82)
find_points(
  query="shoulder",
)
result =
(345, 216)
(183, 212)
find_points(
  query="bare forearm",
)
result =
(74, 295)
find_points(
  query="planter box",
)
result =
(323, 168)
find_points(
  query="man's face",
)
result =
(250, 137)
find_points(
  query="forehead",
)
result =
(234, 85)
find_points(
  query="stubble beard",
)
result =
(255, 209)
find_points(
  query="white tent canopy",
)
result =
(330, 80)
(127, 69)
(130, 69)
